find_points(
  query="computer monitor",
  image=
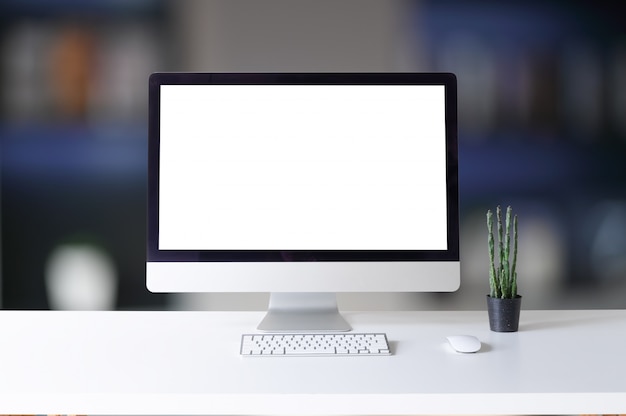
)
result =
(303, 185)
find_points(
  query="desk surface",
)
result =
(560, 362)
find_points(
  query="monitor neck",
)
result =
(303, 312)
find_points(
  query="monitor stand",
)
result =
(307, 312)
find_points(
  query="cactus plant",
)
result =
(502, 270)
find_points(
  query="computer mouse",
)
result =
(464, 343)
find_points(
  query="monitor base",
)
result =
(308, 312)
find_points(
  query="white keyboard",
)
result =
(306, 344)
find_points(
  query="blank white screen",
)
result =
(302, 167)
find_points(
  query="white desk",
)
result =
(561, 362)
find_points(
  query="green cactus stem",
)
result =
(493, 284)
(503, 276)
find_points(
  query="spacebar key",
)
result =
(298, 351)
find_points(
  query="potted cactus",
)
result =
(503, 301)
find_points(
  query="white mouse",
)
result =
(464, 343)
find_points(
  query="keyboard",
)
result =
(315, 345)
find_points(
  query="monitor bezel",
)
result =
(448, 80)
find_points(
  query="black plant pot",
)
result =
(504, 313)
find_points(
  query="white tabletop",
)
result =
(560, 362)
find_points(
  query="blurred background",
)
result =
(542, 111)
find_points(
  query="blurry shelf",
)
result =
(531, 167)
(95, 8)
(79, 152)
